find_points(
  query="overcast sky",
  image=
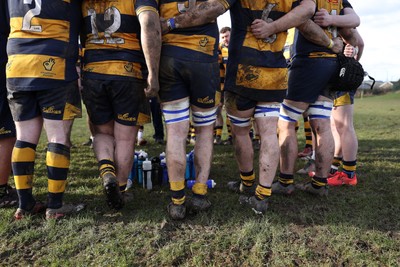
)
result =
(380, 29)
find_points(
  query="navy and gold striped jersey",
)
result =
(287, 50)
(198, 43)
(256, 67)
(112, 46)
(304, 48)
(4, 31)
(222, 59)
(43, 43)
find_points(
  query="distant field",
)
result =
(353, 226)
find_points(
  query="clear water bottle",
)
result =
(147, 183)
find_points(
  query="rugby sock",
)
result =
(248, 178)
(177, 192)
(218, 130)
(263, 192)
(23, 162)
(318, 182)
(349, 168)
(192, 132)
(106, 166)
(286, 179)
(199, 189)
(57, 161)
(307, 132)
(335, 165)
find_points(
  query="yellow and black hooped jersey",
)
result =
(196, 43)
(287, 50)
(256, 67)
(4, 31)
(43, 43)
(304, 48)
(112, 46)
(222, 59)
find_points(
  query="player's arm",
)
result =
(353, 38)
(151, 45)
(297, 16)
(315, 34)
(202, 13)
(348, 20)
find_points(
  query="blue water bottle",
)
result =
(188, 168)
(210, 183)
(165, 179)
(192, 167)
(132, 174)
(140, 169)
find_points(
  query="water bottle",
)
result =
(165, 179)
(141, 159)
(156, 171)
(147, 183)
(210, 183)
(192, 168)
(187, 170)
(133, 173)
(162, 155)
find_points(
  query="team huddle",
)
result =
(135, 50)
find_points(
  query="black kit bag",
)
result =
(350, 74)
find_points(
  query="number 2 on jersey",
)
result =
(27, 20)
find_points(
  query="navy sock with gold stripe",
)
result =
(177, 192)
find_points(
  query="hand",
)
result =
(261, 29)
(350, 51)
(164, 25)
(153, 86)
(337, 45)
(323, 18)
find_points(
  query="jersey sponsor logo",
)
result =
(51, 110)
(203, 42)
(333, 1)
(205, 100)
(129, 67)
(4, 131)
(248, 73)
(48, 64)
(125, 117)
